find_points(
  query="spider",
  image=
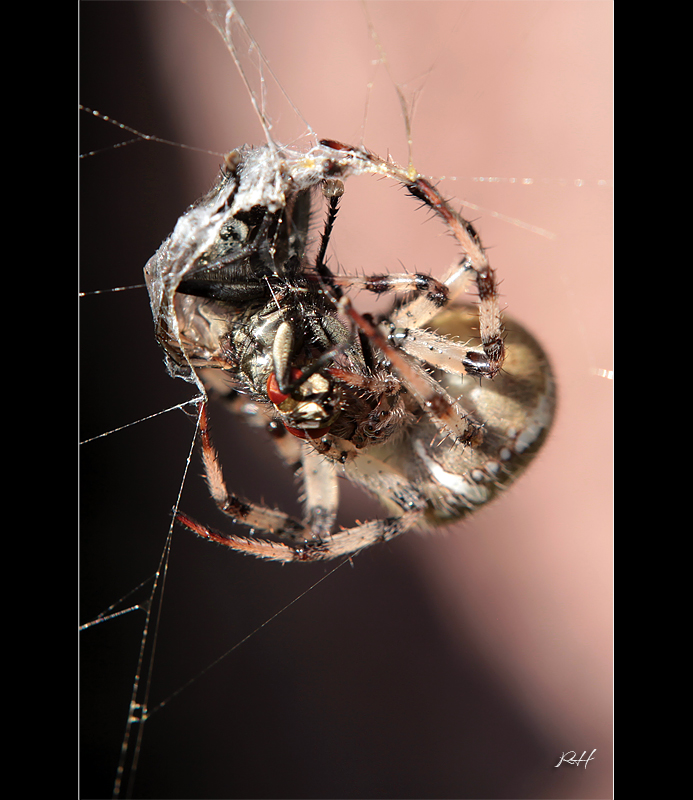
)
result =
(433, 407)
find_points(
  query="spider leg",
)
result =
(458, 358)
(261, 548)
(473, 266)
(351, 540)
(332, 190)
(253, 515)
(345, 542)
(320, 491)
(434, 291)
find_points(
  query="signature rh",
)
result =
(570, 757)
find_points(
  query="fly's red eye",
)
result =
(275, 395)
(273, 392)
